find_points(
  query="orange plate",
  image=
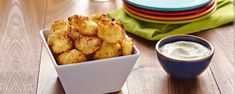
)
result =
(171, 18)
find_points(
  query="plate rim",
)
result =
(168, 22)
(169, 13)
(155, 8)
(171, 18)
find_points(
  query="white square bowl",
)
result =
(93, 77)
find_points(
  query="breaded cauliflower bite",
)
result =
(87, 45)
(73, 33)
(82, 38)
(110, 31)
(60, 27)
(127, 46)
(84, 25)
(120, 24)
(61, 44)
(98, 17)
(108, 50)
(72, 56)
(51, 39)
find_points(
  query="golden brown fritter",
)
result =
(127, 46)
(120, 24)
(51, 39)
(73, 33)
(87, 45)
(61, 44)
(60, 27)
(83, 24)
(94, 37)
(110, 31)
(72, 56)
(98, 17)
(108, 50)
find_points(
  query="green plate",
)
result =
(167, 22)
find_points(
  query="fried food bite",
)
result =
(72, 56)
(127, 46)
(73, 33)
(108, 50)
(83, 24)
(83, 38)
(110, 31)
(51, 38)
(120, 24)
(98, 17)
(61, 44)
(60, 27)
(87, 45)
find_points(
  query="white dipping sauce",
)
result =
(185, 50)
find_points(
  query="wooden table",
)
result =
(25, 67)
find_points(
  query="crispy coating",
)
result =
(98, 17)
(87, 45)
(83, 38)
(60, 27)
(127, 46)
(51, 39)
(108, 50)
(110, 31)
(120, 24)
(61, 44)
(83, 24)
(72, 56)
(107, 24)
(73, 33)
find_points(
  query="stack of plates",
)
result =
(169, 11)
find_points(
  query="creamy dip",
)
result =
(185, 50)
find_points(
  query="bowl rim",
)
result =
(184, 35)
(136, 50)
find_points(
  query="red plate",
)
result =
(179, 13)
(172, 18)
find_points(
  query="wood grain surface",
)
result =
(25, 67)
(223, 64)
(20, 45)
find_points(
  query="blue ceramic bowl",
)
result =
(184, 69)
